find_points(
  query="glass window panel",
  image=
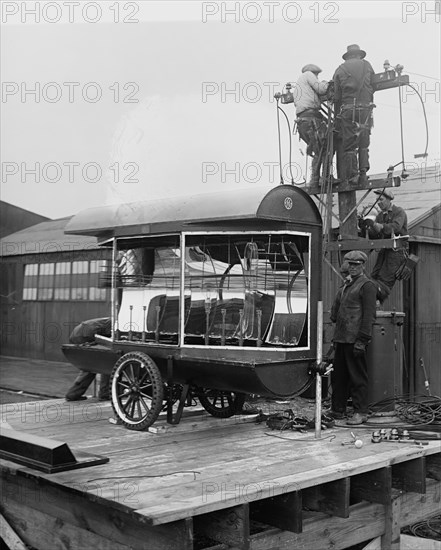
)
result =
(61, 293)
(247, 289)
(80, 293)
(29, 294)
(80, 267)
(62, 281)
(46, 281)
(95, 266)
(30, 276)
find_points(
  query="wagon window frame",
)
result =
(179, 241)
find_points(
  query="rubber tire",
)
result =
(155, 395)
(235, 403)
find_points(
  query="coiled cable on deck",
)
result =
(417, 410)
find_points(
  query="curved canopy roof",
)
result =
(284, 203)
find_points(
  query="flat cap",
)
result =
(386, 192)
(356, 256)
(311, 67)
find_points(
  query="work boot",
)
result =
(357, 419)
(363, 178)
(337, 415)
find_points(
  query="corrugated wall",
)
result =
(37, 329)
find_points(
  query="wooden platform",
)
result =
(210, 483)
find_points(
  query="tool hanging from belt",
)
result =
(369, 107)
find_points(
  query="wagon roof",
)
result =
(284, 203)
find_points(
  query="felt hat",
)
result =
(386, 192)
(355, 257)
(311, 67)
(354, 49)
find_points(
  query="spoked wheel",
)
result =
(222, 404)
(137, 390)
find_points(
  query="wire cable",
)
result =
(425, 117)
(280, 143)
(424, 76)
(290, 144)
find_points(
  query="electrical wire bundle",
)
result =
(427, 529)
(417, 410)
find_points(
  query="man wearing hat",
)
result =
(390, 222)
(353, 313)
(310, 122)
(353, 96)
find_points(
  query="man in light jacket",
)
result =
(310, 122)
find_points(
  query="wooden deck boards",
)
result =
(201, 466)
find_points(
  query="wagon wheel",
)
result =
(137, 390)
(222, 404)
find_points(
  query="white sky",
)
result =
(175, 139)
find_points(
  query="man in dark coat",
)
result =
(84, 333)
(353, 312)
(390, 222)
(353, 97)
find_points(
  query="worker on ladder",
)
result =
(311, 124)
(353, 98)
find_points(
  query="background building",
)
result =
(50, 283)
(13, 218)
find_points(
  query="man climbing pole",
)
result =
(390, 222)
(310, 122)
(353, 96)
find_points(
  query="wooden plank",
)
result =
(390, 540)
(108, 519)
(41, 531)
(415, 507)
(365, 244)
(261, 481)
(345, 186)
(9, 536)
(200, 421)
(410, 475)
(283, 511)
(365, 522)
(417, 543)
(230, 526)
(330, 498)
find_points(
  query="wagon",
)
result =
(213, 296)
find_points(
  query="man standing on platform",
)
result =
(390, 222)
(353, 96)
(353, 312)
(310, 122)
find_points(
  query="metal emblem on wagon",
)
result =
(288, 203)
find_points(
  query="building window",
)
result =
(63, 281)
(30, 282)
